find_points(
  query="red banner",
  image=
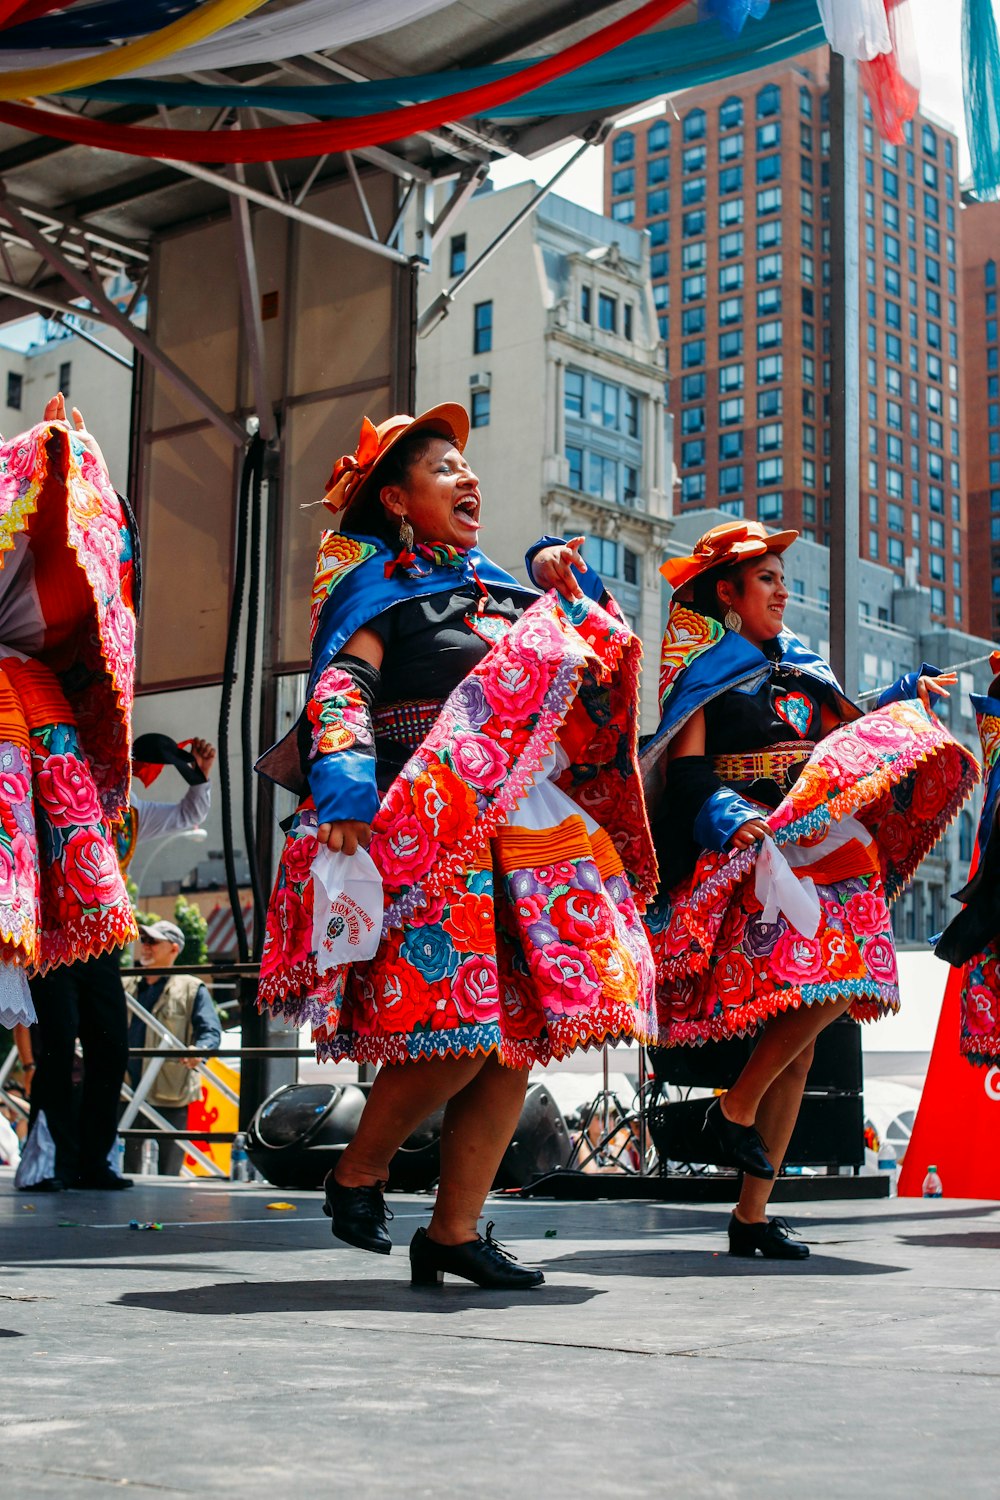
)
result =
(958, 1123)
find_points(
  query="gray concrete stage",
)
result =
(241, 1351)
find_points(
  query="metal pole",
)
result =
(845, 370)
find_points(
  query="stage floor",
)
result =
(242, 1351)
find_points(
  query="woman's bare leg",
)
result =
(784, 1039)
(776, 1117)
(402, 1096)
(479, 1124)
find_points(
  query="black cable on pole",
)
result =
(246, 714)
(226, 700)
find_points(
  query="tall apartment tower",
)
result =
(980, 251)
(733, 189)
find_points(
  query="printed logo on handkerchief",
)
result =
(797, 710)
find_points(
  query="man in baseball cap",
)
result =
(182, 1004)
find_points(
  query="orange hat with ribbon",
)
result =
(354, 474)
(732, 542)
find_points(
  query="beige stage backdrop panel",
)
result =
(338, 345)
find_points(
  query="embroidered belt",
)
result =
(776, 764)
(406, 723)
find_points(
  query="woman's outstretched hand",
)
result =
(552, 568)
(344, 837)
(55, 411)
(926, 686)
(749, 833)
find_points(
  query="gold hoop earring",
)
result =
(733, 621)
(405, 534)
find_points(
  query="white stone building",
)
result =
(553, 345)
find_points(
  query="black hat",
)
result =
(151, 752)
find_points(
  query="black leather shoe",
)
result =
(773, 1239)
(736, 1145)
(483, 1261)
(47, 1185)
(358, 1215)
(101, 1180)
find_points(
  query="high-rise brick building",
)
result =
(980, 378)
(733, 188)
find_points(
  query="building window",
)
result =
(607, 312)
(730, 445)
(693, 353)
(730, 113)
(482, 323)
(693, 488)
(730, 411)
(694, 125)
(693, 222)
(768, 169)
(731, 344)
(693, 388)
(693, 454)
(769, 437)
(730, 212)
(627, 324)
(731, 480)
(574, 457)
(769, 267)
(768, 201)
(768, 101)
(65, 372)
(693, 190)
(769, 235)
(457, 257)
(730, 148)
(769, 507)
(693, 321)
(657, 170)
(731, 245)
(624, 147)
(658, 202)
(15, 390)
(769, 135)
(694, 159)
(585, 304)
(692, 419)
(658, 136)
(770, 403)
(731, 310)
(623, 211)
(730, 181)
(480, 408)
(731, 378)
(573, 394)
(769, 334)
(770, 470)
(769, 368)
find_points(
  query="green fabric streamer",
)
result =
(981, 89)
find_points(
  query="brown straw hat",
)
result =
(353, 477)
(732, 542)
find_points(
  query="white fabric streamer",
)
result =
(15, 998)
(543, 805)
(313, 26)
(779, 889)
(856, 28)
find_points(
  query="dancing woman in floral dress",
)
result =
(785, 820)
(480, 740)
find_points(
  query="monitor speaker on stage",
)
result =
(299, 1132)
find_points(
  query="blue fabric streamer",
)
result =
(732, 15)
(981, 90)
(95, 25)
(664, 62)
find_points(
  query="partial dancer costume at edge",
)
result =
(485, 740)
(67, 638)
(784, 821)
(971, 941)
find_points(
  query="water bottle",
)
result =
(932, 1185)
(150, 1158)
(239, 1163)
(888, 1164)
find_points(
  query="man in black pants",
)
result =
(84, 1000)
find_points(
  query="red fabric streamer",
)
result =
(892, 81)
(285, 143)
(15, 12)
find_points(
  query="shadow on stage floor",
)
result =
(241, 1298)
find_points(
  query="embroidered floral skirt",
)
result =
(521, 941)
(62, 895)
(722, 969)
(980, 1036)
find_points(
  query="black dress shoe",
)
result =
(47, 1185)
(358, 1216)
(773, 1239)
(736, 1145)
(483, 1261)
(101, 1180)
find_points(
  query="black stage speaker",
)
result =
(828, 1133)
(299, 1132)
(830, 1127)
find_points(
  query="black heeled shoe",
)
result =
(483, 1261)
(773, 1239)
(358, 1216)
(736, 1145)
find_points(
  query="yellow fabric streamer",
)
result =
(114, 61)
